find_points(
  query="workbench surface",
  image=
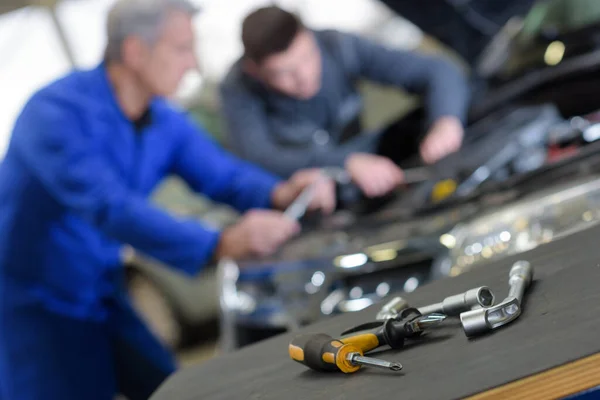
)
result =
(560, 323)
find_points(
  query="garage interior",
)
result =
(493, 253)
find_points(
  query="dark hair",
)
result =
(268, 31)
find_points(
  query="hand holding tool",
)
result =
(450, 306)
(321, 352)
(479, 321)
(228, 272)
(298, 208)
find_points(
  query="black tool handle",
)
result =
(391, 332)
(321, 352)
(395, 331)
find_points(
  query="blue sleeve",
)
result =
(246, 123)
(210, 170)
(444, 87)
(68, 162)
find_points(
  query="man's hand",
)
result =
(259, 233)
(444, 137)
(375, 175)
(324, 193)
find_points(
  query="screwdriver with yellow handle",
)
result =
(322, 352)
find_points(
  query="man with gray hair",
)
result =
(85, 153)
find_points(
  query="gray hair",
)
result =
(141, 18)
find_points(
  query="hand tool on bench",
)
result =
(454, 305)
(410, 323)
(327, 353)
(321, 352)
(450, 306)
(479, 321)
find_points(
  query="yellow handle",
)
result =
(365, 342)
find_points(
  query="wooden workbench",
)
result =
(551, 351)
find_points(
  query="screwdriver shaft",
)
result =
(425, 322)
(356, 358)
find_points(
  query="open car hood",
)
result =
(467, 27)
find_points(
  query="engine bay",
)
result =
(528, 179)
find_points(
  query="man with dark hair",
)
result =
(85, 153)
(291, 102)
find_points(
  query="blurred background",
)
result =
(42, 40)
(41, 43)
(509, 49)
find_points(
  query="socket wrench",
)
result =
(450, 306)
(479, 321)
(454, 305)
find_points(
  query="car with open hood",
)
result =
(527, 174)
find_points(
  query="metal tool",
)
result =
(485, 171)
(356, 358)
(227, 274)
(324, 353)
(228, 270)
(321, 352)
(454, 305)
(393, 332)
(450, 306)
(479, 321)
(298, 208)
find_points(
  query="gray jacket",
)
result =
(284, 135)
